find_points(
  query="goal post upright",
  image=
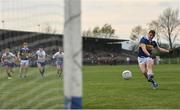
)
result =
(73, 55)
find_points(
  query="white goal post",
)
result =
(73, 55)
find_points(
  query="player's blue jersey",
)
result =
(149, 46)
(24, 53)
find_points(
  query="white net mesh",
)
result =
(40, 24)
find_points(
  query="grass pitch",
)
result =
(32, 92)
(103, 88)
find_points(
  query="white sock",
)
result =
(150, 73)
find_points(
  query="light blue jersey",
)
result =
(59, 56)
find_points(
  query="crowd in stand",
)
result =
(108, 56)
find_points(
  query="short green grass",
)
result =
(103, 88)
(32, 92)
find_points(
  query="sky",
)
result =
(123, 15)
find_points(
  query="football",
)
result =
(127, 74)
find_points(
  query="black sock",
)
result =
(43, 71)
(9, 75)
(59, 74)
(152, 81)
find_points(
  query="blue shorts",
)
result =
(9, 64)
(59, 63)
(41, 63)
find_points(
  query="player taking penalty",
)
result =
(145, 57)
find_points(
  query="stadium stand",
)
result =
(95, 50)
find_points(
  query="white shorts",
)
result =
(24, 62)
(144, 60)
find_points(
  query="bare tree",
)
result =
(105, 31)
(168, 25)
(136, 33)
(48, 29)
(96, 31)
(87, 33)
(154, 25)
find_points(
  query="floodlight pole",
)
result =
(39, 28)
(73, 55)
(2, 24)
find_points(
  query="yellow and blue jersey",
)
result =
(149, 46)
(24, 53)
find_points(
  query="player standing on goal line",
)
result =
(7, 60)
(23, 56)
(145, 57)
(41, 61)
(59, 56)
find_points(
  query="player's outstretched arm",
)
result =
(49, 56)
(29, 55)
(14, 56)
(54, 56)
(2, 59)
(34, 55)
(163, 50)
(18, 55)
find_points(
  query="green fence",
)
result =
(170, 60)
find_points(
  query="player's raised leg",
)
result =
(26, 68)
(11, 68)
(143, 69)
(150, 75)
(41, 67)
(58, 69)
(61, 69)
(8, 71)
(21, 70)
(150, 63)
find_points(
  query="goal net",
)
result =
(47, 24)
